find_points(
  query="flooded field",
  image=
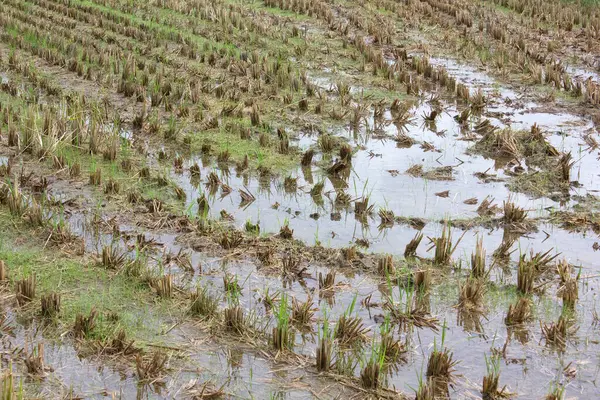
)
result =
(293, 199)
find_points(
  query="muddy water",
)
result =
(583, 74)
(245, 375)
(379, 171)
(527, 364)
(474, 78)
(197, 359)
(64, 369)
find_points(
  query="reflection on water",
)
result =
(378, 173)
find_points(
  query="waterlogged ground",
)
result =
(201, 116)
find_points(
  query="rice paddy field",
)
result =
(292, 199)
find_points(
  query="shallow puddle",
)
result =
(420, 171)
(527, 360)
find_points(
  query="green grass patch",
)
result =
(122, 303)
(222, 140)
(538, 184)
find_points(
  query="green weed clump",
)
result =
(325, 346)
(283, 336)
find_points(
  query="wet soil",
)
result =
(246, 208)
